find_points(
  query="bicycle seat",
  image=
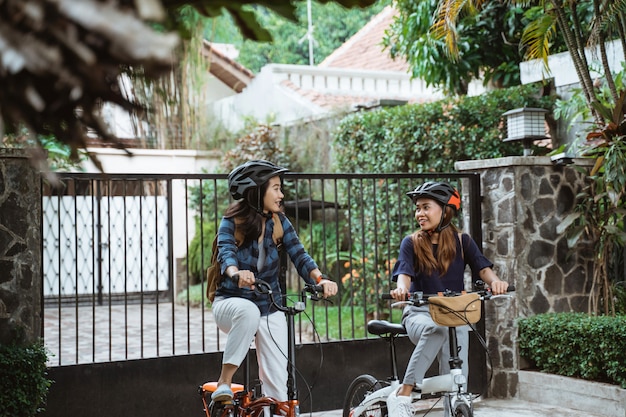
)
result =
(212, 386)
(380, 327)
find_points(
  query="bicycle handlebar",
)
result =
(421, 298)
(264, 287)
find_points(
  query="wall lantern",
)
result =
(526, 124)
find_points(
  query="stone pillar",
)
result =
(524, 201)
(20, 247)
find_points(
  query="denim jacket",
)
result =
(245, 257)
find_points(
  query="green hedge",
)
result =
(431, 137)
(576, 345)
(24, 383)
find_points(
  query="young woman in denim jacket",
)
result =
(238, 310)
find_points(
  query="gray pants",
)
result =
(241, 319)
(431, 341)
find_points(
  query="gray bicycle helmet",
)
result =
(251, 175)
(441, 192)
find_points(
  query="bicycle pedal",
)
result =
(217, 408)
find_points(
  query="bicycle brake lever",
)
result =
(313, 291)
(262, 287)
(314, 297)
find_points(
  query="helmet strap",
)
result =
(441, 225)
(259, 206)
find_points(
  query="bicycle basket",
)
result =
(455, 311)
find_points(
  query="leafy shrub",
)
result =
(576, 345)
(431, 137)
(200, 251)
(24, 383)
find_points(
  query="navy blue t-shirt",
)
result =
(453, 280)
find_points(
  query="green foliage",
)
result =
(24, 383)
(59, 155)
(333, 322)
(260, 142)
(599, 214)
(357, 270)
(431, 137)
(323, 240)
(209, 198)
(193, 296)
(487, 45)
(243, 17)
(576, 345)
(333, 25)
(619, 289)
(199, 252)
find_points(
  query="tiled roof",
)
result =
(328, 101)
(359, 74)
(365, 51)
(231, 73)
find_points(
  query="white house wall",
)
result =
(214, 90)
(561, 69)
(268, 98)
(263, 100)
(153, 161)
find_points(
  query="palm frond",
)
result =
(537, 37)
(444, 26)
(611, 16)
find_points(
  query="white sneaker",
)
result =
(399, 405)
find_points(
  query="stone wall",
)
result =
(525, 199)
(20, 247)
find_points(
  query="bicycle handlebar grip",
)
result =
(234, 278)
(510, 288)
(315, 288)
(387, 296)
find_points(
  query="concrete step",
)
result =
(577, 394)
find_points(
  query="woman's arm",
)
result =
(227, 255)
(402, 287)
(330, 287)
(491, 279)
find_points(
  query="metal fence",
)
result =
(124, 256)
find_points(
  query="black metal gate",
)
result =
(123, 255)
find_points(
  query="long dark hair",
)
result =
(422, 246)
(247, 219)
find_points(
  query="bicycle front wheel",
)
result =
(462, 410)
(360, 387)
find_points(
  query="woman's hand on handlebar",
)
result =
(499, 287)
(246, 278)
(330, 287)
(401, 291)
(399, 294)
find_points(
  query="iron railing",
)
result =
(124, 255)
